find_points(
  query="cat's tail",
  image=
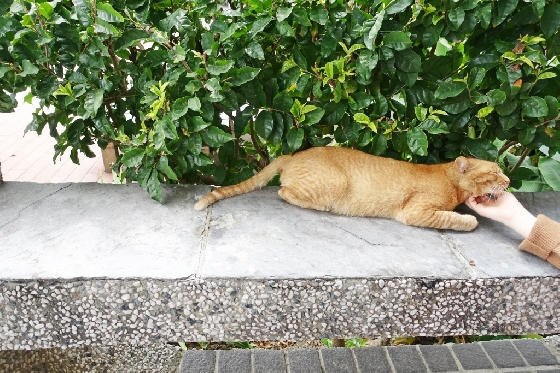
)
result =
(256, 182)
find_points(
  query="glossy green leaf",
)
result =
(397, 40)
(534, 107)
(180, 108)
(45, 9)
(367, 61)
(417, 141)
(295, 138)
(28, 68)
(378, 144)
(496, 97)
(328, 45)
(485, 111)
(408, 61)
(107, 13)
(550, 170)
(193, 103)
(242, 120)
(449, 89)
(283, 101)
(264, 124)
(456, 17)
(278, 130)
(476, 75)
(550, 21)
(319, 15)
(398, 6)
(243, 75)
(506, 108)
(285, 29)
(334, 112)
(166, 126)
(133, 157)
(300, 16)
(220, 67)
(260, 24)
(255, 50)
(505, 8)
(434, 127)
(93, 101)
(369, 37)
(484, 14)
(482, 149)
(83, 11)
(154, 186)
(163, 166)
(283, 12)
(313, 116)
(129, 37)
(215, 137)
(198, 124)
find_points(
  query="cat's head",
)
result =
(483, 179)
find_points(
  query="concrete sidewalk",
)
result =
(29, 157)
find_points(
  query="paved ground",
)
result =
(497, 356)
(30, 157)
(521, 356)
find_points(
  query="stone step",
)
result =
(524, 355)
(98, 265)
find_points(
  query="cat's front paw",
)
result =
(469, 223)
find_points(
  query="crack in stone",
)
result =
(361, 238)
(31, 204)
(203, 242)
(455, 250)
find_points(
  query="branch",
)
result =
(274, 47)
(219, 107)
(521, 159)
(255, 142)
(115, 60)
(118, 97)
(506, 146)
(111, 115)
(236, 140)
(547, 121)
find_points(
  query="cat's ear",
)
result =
(462, 164)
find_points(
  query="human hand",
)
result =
(506, 210)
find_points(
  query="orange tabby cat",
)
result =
(351, 182)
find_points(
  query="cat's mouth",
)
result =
(492, 196)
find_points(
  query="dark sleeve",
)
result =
(544, 240)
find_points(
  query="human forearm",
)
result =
(522, 221)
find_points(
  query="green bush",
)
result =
(206, 91)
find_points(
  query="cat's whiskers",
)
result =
(497, 190)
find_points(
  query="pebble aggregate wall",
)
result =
(70, 313)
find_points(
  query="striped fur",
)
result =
(256, 182)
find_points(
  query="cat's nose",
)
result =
(507, 180)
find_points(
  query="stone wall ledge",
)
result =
(93, 264)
